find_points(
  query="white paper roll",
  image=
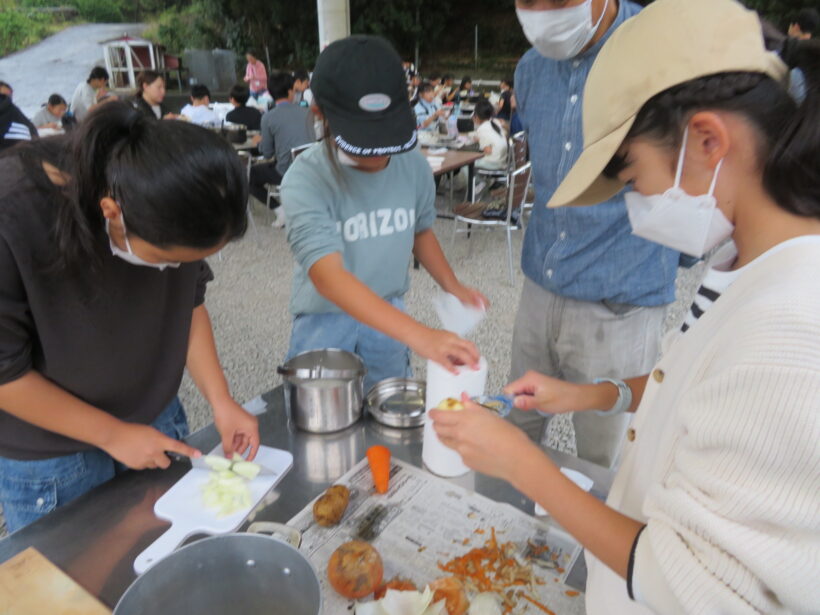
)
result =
(441, 384)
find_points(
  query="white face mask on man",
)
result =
(560, 34)
(128, 255)
(689, 224)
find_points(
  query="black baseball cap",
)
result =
(359, 85)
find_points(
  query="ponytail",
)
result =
(792, 171)
(178, 185)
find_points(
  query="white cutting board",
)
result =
(182, 505)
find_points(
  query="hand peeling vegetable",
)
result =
(227, 489)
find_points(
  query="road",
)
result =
(58, 63)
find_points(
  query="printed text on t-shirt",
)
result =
(378, 223)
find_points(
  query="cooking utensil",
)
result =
(324, 389)
(502, 405)
(232, 573)
(397, 402)
(182, 505)
(31, 585)
(199, 463)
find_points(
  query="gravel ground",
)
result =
(248, 303)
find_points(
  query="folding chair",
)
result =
(514, 196)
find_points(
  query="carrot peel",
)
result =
(379, 459)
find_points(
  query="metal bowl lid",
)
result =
(330, 363)
(397, 402)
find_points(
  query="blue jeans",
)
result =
(383, 356)
(31, 489)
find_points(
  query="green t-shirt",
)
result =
(371, 219)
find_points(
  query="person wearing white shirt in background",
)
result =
(198, 111)
(716, 505)
(492, 140)
(91, 94)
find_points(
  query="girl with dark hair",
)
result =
(465, 90)
(51, 114)
(358, 207)
(716, 505)
(102, 281)
(490, 136)
(149, 97)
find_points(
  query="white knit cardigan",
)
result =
(724, 466)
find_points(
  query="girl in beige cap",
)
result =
(716, 506)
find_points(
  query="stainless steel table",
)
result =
(96, 537)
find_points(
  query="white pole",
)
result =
(476, 47)
(334, 21)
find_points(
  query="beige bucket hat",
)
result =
(668, 43)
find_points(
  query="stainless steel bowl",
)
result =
(397, 402)
(324, 389)
(231, 573)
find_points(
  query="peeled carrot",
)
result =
(379, 459)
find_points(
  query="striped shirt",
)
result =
(718, 278)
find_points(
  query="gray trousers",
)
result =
(579, 341)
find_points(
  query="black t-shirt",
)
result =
(14, 126)
(506, 106)
(250, 117)
(118, 340)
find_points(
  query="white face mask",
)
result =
(689, 224)
(560, 34)
(129, 256)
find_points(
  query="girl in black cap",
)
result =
(359, 206)
(103, 233)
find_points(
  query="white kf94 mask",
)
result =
(689, 224)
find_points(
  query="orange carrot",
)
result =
(537, 604)
(379, 459)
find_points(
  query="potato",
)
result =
(329, 509)
(452, 591)
(450, 403)
(355, 569)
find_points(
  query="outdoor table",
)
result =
(95, 538)
(454, 160)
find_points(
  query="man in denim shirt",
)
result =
(595, 296)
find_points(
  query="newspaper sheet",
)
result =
(424, 521)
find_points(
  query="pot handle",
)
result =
(294, 536)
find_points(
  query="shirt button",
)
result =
(563, 235)
(576, 63)
(567, 146)
(658, 375)
(40, 502)
(573, 99)
(630, 434)
(549, 273)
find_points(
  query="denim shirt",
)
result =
(585, 253)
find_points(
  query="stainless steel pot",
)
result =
(232, 573)
(324, 389)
